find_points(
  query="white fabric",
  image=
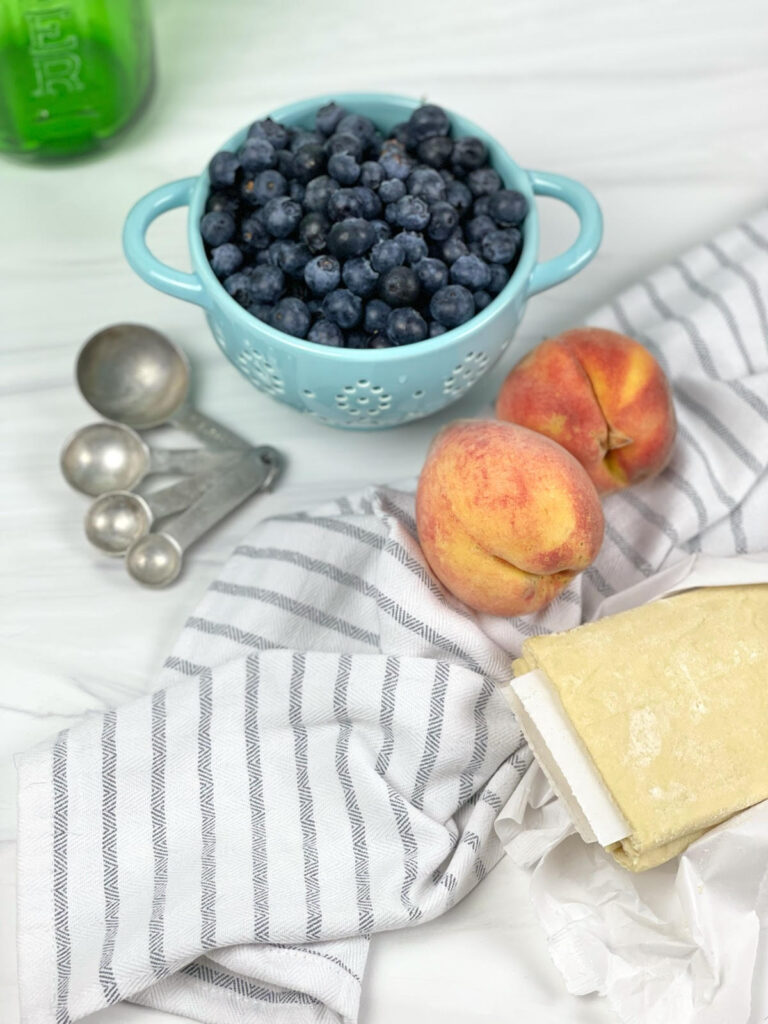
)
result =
(328, 751)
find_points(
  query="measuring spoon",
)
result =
(112, 457)
(136, 375)
(116, 519)
(156, 559)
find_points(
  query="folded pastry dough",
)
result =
(670, 701)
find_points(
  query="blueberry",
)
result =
(373, 145)
(294, 258)
(447, 176)
(217, 227)
(260, 257)
(267, 283)
(296, 191)
(351, 237)
(482, 299)
(443, 221)
(313, 231)
(226, 259)
(454, 247)
(318, 192)
(432, 274)
(436, 150)
(326, 333)
(257, 155)
(471, 271)
(412, 213)
(342, 307)
(508, 207)
(386, 255)
(276, 250)
(426, 184)
(356, 124)
(328, 117)
(265, 186)
(261, 310)
(282, 216)
(343, 168)
(380, 341)
(222, 169)
(300, 137)
(436, 329)
(399, 286)
(284, 162)
(414, 245)
(400, 132)
(426, 122)
(270, 130)
(370, 203)
(499, 278)
(240, 287)
(358, 339)
(381, 229)
(476, 228)
(371, 174)
(390, 214)
(481, 206)
(458, 195)
(452, 305)
(343, 204)
(502, 245)
(314, 306)
(376, 313)
(483, 181)
(322, 274)
(359, 276)
(222, 201)
(391, 190)
(405, 325)
(469, 153)
(291, 316)
(344, 142)
(395, 162)
(308, 162)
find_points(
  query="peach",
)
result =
(602, 396)
(505, 516)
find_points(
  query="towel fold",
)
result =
(327, 750)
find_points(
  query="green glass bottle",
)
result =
(73, 73)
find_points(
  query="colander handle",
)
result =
(148, 267)
(584, 204)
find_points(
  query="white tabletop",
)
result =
(658, 107)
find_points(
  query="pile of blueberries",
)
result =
(353, 239)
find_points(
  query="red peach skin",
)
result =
(506, 517)
(602, 396)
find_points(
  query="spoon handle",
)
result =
(186, 460)
(179, 496)
(254, 471)
(212, 433)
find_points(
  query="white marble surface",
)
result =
(659, 106)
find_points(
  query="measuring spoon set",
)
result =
(138, 379)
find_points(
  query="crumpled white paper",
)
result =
(684, 943)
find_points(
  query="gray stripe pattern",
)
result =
(207, 814)
(109, 857)
(229, 632)
(159, 838)
(204, 971)
(306, 806)
(749, 280)
(256, 800)
(300, 609)
(720, 304)
(434, 731)
(365, 918)
(61, 878)
(480, 748)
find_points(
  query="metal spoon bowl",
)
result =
(155, 560)
(104, 457)
(115, 520)
(135, 375)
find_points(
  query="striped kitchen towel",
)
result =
(328, 750)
